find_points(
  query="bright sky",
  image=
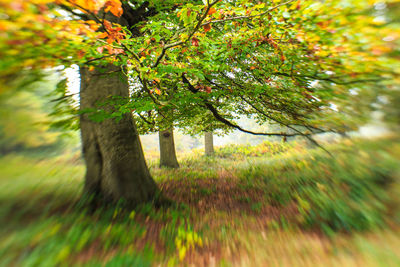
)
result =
(74, 82)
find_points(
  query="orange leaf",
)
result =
(107, 25)
(115, 7)
(94, 27)
(102, 35)
(110, 40)
(207, 27)
(110, 49)
(212, 11)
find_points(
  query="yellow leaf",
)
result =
(132, 215)
(182, 253)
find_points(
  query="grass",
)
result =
(269, 205)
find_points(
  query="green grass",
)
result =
(309, 209)
(348, 192)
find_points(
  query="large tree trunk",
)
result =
(116, 168)
(167, 149)
(209, 143)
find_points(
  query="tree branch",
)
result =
(220, 118)
(248, 17)
(63, 97)
(287, 125)
(70, 10)
(196, 28)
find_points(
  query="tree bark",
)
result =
(116, 167)
(167, 149)
(209, 143)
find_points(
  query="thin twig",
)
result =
(196, 28)
(247, 17)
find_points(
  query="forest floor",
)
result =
(268, 205)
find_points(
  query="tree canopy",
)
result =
(305, 65)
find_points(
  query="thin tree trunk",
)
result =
(209, 143)
(116, 168)
(167, 149)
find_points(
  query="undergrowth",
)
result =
(346, 192)
(240, 201)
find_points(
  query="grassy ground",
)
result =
(270, 205)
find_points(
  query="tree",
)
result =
(159, 118)
(116, 167)
(167, 149)
(208, 143)
(286, 62)
(115, 164)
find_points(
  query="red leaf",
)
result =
(298, 6)
(207, 27)
(195, 41)
(16, 42)
(81, 53)
(229, 45)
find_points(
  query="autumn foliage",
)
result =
(279, 46)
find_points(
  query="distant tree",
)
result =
(167, 149)
(208, 143)
(160, 119)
